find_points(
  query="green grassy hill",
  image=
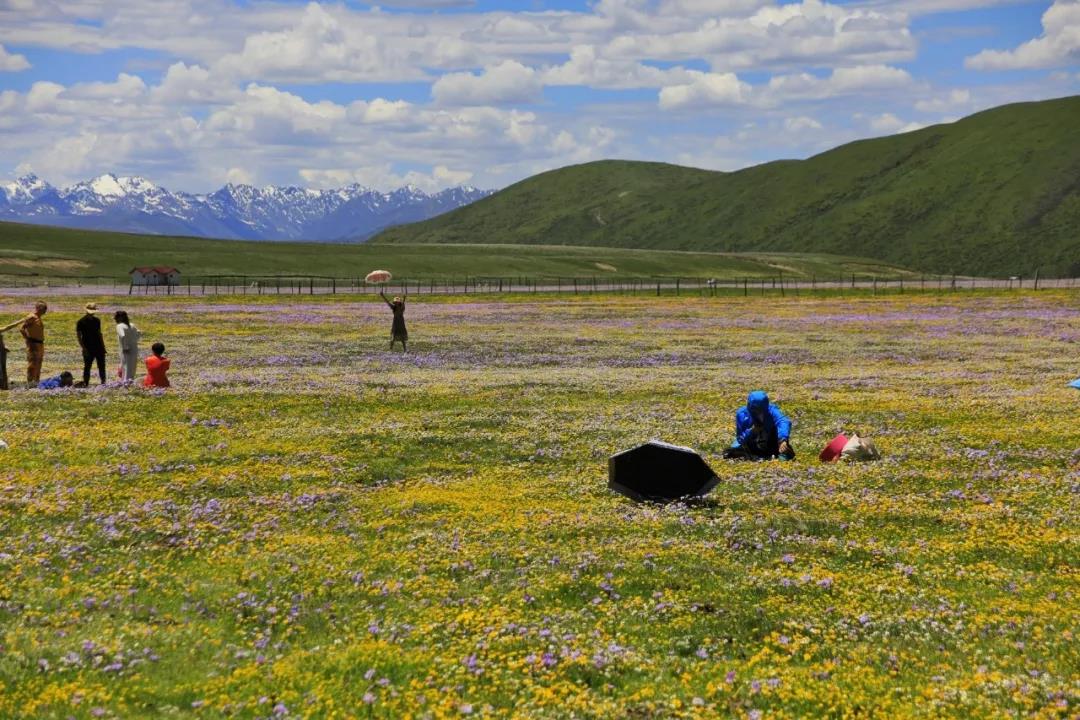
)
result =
(61, 252)
(995, 193)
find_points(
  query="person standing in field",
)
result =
(88, 331)
(32, 329)
(128, 335)
(397, 329)
(157, 367)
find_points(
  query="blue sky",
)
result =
(195, 93)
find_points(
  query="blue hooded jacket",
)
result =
(53, 383)
(775, 424)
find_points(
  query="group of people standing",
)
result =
(88, 332)
(92, 342)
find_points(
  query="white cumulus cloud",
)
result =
(319, 47)
(841, 81)
(383, 176)
(12, 62)
(1058, 46)
(956, 99)
(801, 124)
(505, 83)
(705, 90)
(887, 123)
(586, 68)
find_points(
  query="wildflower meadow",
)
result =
(310, 525)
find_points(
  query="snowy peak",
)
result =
(135, 204)
(112, 186)
(26, 189)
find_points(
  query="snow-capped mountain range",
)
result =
(240, 212)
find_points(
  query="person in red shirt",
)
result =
(157, 365)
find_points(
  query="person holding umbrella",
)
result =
(88, 331)
(397, 329)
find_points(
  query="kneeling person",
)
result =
(762, 431)
(157, 365)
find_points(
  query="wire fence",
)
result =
(476, 285)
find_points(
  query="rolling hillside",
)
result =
(995, 193)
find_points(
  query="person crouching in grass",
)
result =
(157, 367)
(762, 431)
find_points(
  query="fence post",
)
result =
(1036, 278)
(782, 285)
(676, 286)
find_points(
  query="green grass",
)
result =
(304, 508)
(62, 252)
(997, 193)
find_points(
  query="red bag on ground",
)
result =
(832, 451)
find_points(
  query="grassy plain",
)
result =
(62, 252)
(308, 525)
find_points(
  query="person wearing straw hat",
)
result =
(88, 331)
(397, 329)
(32, 329)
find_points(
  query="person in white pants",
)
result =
(129, 336)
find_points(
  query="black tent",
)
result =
(660, 471)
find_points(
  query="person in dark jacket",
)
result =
(88, 330)
(762, 431)
(397, 330)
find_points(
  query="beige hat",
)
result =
(91, 308)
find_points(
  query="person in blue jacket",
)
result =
(63, 380)
(762, 431)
